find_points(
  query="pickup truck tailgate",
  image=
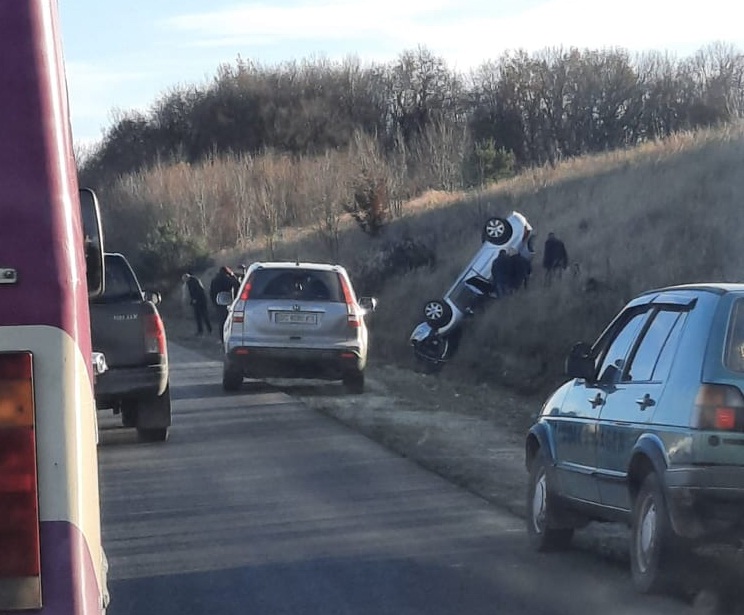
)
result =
(118, 318)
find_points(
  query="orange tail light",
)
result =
(19, 510)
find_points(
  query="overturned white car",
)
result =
(434, 339)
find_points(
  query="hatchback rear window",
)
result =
(296, 285)
(734, 357)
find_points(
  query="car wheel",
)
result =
(159, 434)
(128, 413)
(497, 231)
(354, 382)
(437, 313)
(541, 513)
(231, 379)
(652, 542)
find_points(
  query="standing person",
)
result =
(501, 274)
(555, 257)
(197, 298)
(240, 272)
(224, 281)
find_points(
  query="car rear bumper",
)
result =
(707, 501)
(137, 382)
(328, 364)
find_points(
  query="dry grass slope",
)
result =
(663, 213)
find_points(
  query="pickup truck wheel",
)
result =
(654, 550)
(159, 434)
(128, 413)
(354, 382)
(541, 511)
(231, 379)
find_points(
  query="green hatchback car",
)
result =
(648, 431)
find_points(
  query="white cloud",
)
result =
(469, 31)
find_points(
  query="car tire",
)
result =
(128, 413)
(157, 434)
(354, 382)
(232, 379)
(497, 231)
(541, 511)
(437, 313)
(654, 549)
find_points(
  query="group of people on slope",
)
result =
(511, 269)
(195, 295)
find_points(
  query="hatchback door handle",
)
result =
(645, 402)
(596, 401)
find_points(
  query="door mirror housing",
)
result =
(224, 298)
(368, 303)
(93, 242)
(580, 362)
(151, 296)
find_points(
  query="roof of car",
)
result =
(298, 264)
(718, 288)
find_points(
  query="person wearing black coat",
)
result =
(224, 281)
(555, 257)
(197, 298)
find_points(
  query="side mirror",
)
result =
(224, 298)
(580, 362)
(151, 296)
(93, 242)
(368, 303)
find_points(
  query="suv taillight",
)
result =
(238, 315)
(19, 510)
(719, 407)
(154, 335)
(353, 319)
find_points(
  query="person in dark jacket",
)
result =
(555, 257)
(224, 281)
(501, 274)
(197, 298)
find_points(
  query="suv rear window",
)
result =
(297, 285)
(734, 357)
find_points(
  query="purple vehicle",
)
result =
(51, 560)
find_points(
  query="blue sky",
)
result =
(124, 54)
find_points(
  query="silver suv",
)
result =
(296, 320)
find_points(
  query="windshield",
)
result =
(297, 285)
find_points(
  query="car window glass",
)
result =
(120, 282)
(664, 363)
(734, 357)
(642, 365)
(296, 285)
(613, 363)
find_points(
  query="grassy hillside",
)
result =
(663, 213)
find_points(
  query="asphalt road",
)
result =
(258, 505)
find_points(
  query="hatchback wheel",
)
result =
(354, 382)
(652, 541)
(497, 231)
(437, 313)
(541, 513)
(231, 378)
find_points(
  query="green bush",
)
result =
(166, 255)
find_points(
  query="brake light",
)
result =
(353, 319)
(19, 510)
(154, 334)
(719, 407)
(246, 291)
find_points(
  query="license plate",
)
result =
(295, 318)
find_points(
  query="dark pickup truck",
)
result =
(126, 327)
